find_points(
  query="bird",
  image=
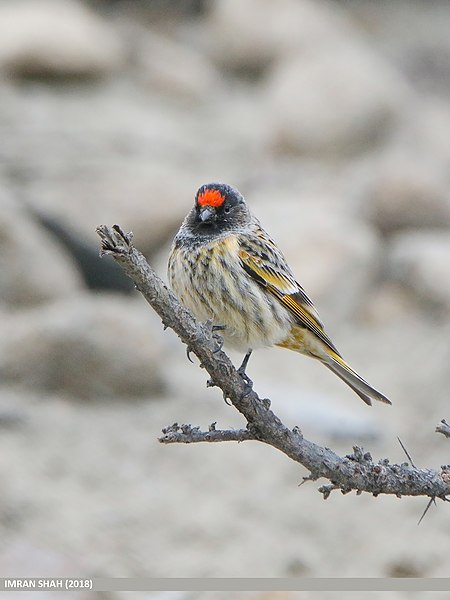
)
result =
(225, 268)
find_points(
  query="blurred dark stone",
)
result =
(158, 8)
(98, 273)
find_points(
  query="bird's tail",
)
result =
(365, 391)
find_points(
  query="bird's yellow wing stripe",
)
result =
(286, 291)
(304, 317)
(273, 279)
(264, 274)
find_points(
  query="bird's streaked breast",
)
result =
(210, 280)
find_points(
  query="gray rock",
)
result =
(420, 260)
(407, 182)
(90, 347)
(248, 36)
(33, 267)
(408, 189)
(174, 68)
(413, 38)
(56, 38)
(336, 98)
(423, 133)
(390, 302)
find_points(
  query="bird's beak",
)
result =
(207, 215)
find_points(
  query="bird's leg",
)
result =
(219, 341)
(242, 368)
(244, 363)
(218, 338)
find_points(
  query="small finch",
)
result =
(225, 268)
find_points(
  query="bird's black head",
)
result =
(219, 207)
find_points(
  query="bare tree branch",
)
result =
(356, 471)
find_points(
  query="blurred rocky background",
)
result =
(333, 119)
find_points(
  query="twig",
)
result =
(443, 428)
(356, 471)
(186, 434)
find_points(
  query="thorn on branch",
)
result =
(432, 501)
(310, 477)
(406, 452)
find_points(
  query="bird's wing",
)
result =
(263, 261)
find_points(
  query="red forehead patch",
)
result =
(211, 198)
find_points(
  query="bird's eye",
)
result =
(226, 209)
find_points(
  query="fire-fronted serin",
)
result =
(224, 267)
